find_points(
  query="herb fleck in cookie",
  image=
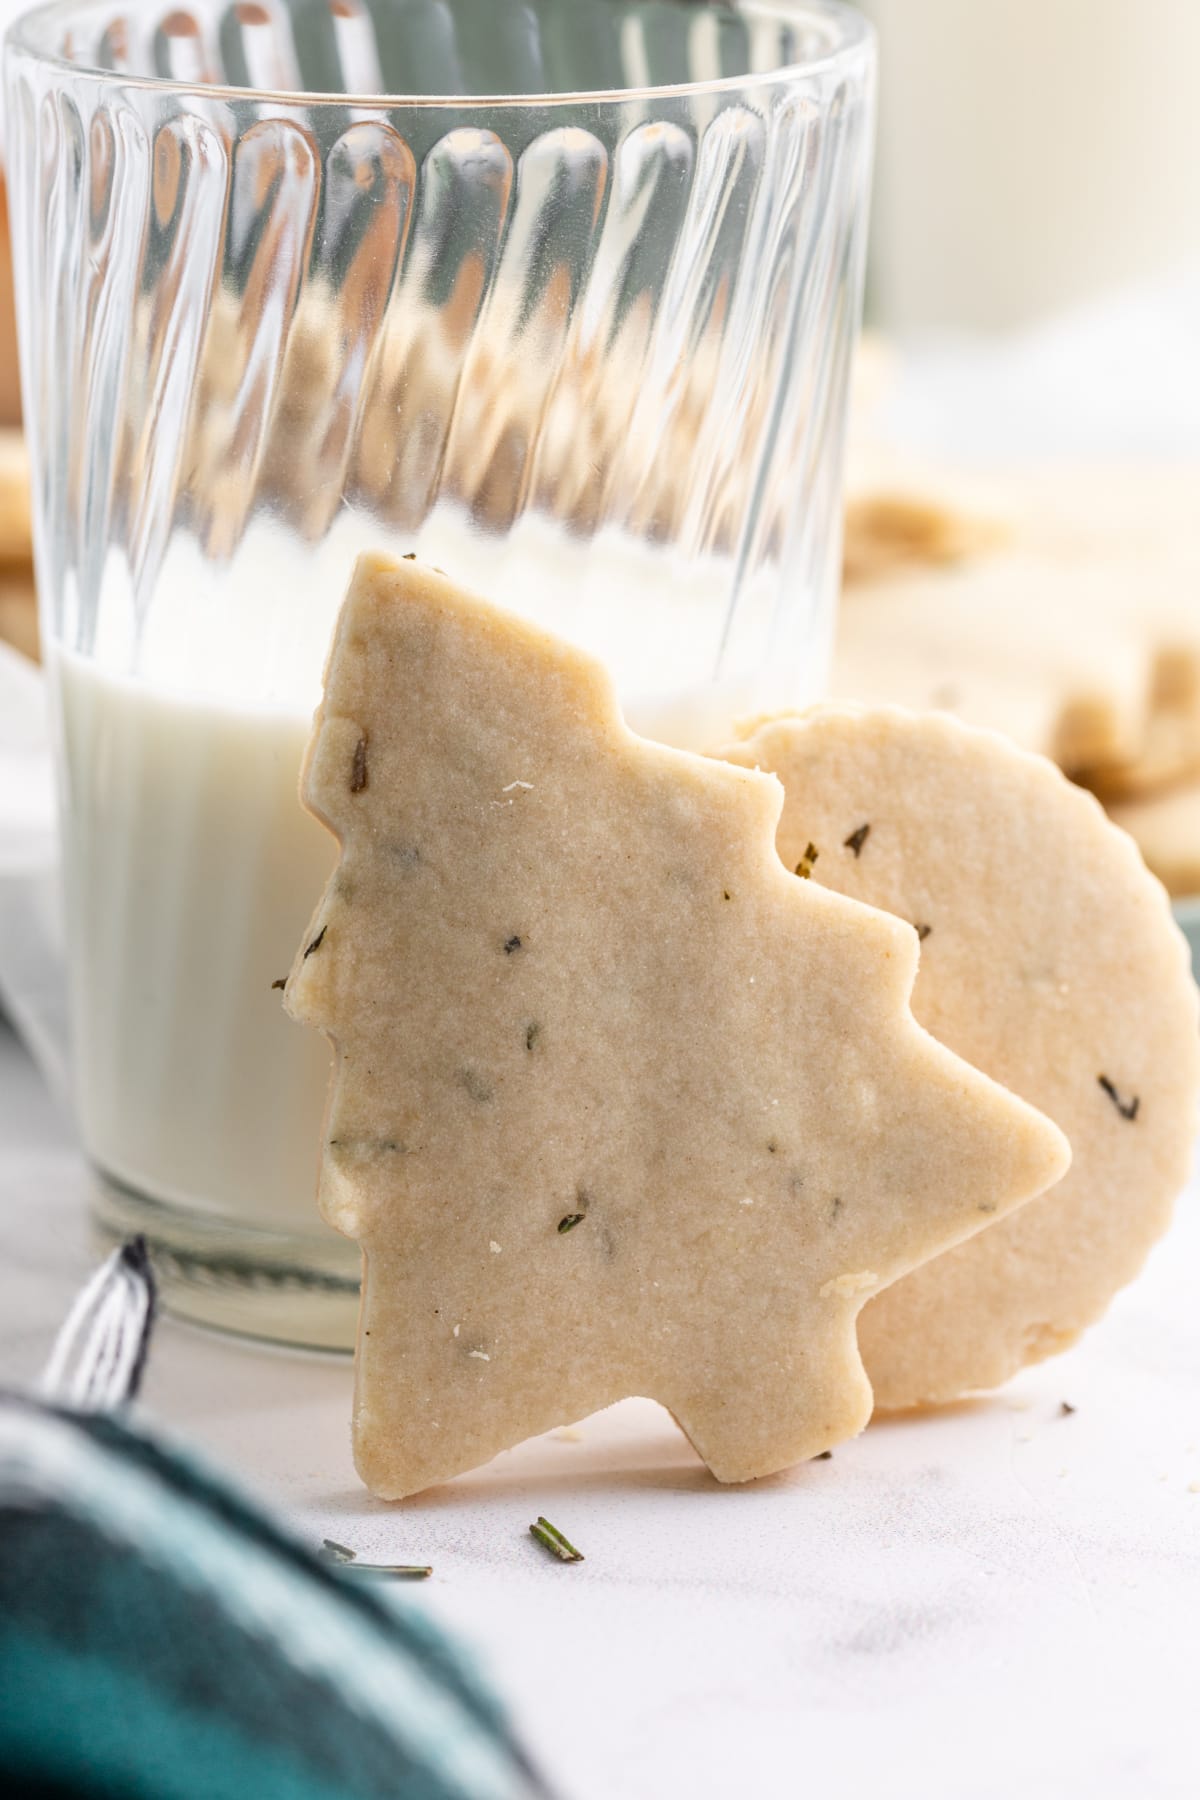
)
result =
(1048, 958)
(620, 1105)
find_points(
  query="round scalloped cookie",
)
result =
(1050, 960)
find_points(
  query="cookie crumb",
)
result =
(842, 1287)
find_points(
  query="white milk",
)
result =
(192, 871)
(191, 875)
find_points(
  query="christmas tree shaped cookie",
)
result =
(620, 1105)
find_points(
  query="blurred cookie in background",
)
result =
(1166, 828)
(16, 528)
(1057, 606)
(18, 614)
(18, 595)
(893, 527)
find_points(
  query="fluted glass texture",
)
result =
(256, 320)
(569, 315)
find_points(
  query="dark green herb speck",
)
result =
(479, 1089)
(365, 1145)
(399, 1571)
(358, 768)
(511, 945)
(804, 867)
(922, 932)
(856, 840)
(316, 943)
(281, 983)
(348, 1560)
(570, 1222)
(1128, 1109)
(552, 1539)
(532, 1034)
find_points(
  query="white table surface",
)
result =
(991, 1602)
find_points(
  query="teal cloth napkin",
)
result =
(161, 1637)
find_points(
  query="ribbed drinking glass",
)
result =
(559, 294)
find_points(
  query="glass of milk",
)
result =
(561, 297)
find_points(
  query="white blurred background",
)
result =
(1034, 155)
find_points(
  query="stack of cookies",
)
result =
(1056, 606)
(855, 1065)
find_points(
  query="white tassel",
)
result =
(100, 1353)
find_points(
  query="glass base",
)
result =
(259, 1284)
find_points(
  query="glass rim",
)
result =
(851, 37)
